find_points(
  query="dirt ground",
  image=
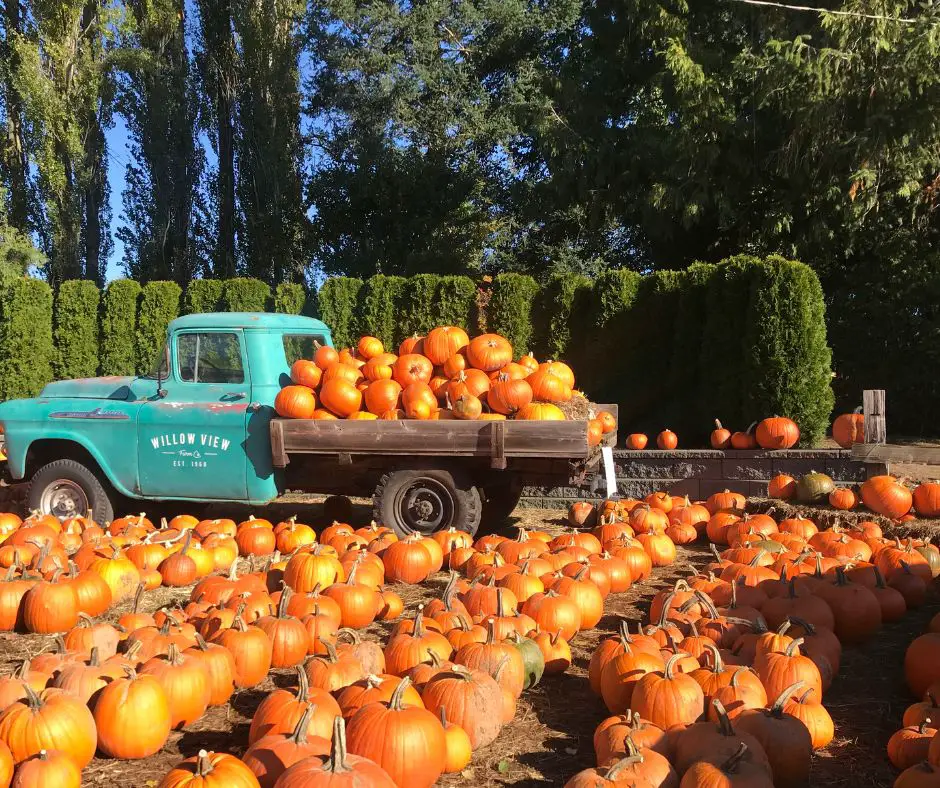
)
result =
(551, 737)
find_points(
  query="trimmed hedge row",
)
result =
(738, 340)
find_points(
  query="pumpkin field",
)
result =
(548, 649)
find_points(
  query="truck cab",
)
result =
(195, 429)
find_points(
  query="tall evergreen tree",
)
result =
(63, 75)
(14, 163)
(158, 99)
(217, 62)
(270, 155)
(419, 103)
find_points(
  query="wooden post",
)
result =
(873, 406)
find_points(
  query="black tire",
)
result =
(426, 501)
(97, 493)
(500, 499)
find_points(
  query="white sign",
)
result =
(610, 476)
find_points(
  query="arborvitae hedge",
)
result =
(613, 296)
(118, 348)
(203, 295)
(560, 316)
(337, 306)
(418, 310)
(455, 300)
(510, 310)
(159, 304)
(739, 340)
(378, 309)
(245, 295)
(685, 367)
(75, 322)
(26, 351)
(787, 365)
(289, 298)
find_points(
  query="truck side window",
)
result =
(297, 346)
(211, 357)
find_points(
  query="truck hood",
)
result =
(111, 387)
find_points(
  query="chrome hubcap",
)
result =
(64, 498)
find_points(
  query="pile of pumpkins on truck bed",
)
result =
(444, 375)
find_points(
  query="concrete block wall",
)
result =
(699, 473)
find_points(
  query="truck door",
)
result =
(193, 439)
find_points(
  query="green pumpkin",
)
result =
(532, 658)
(814, 487)
(769, 545)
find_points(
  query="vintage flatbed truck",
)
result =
(202, 428)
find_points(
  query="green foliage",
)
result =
(510, 309)
(378, 308)
(612, 300)
(18, 254)
(26, 352)
(118, 348)
(561, 314)
(157, 97)
(337, 301)
(455, 300)
(203, 295)
(289, 298)
(245, 295)
(786, 369)
(159, 304)
(419, 311)
(75, 329)
(686, 351)
(273, 233)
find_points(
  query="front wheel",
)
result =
(66, 488)
(426, 501)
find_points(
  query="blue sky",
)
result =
(118, 156)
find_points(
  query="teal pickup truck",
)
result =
(202, 428)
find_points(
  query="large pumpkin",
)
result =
(777, 433)
(132, 716)
(210, 770)
(468, 698)
(340, 397)
(849, 429)
(886, 496)
(50, 721)
(295, 402)
(408, 742)
(443, 342)
(489, 352)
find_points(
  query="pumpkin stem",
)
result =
(490, 631)
(782, 629)
(34, 701)
(443, 718)
(331, 656)
(669, 671)
(286, 593)
(203, 764)
(731, 765)
(137, 645)
(303, 684)
(777, 708)
(395, 701)
(808, 628)
(500, 667)
(299, 736)
(718, 665)
(337, 760)
(794, 646)
(623, 763)
(724, 722)
(93, 658)
(238, 623)
(417, 629)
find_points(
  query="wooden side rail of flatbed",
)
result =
(496, 440)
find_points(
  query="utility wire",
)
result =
(812, 9)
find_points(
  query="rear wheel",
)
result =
(500, 499)
(424, 501)
(66, 488)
